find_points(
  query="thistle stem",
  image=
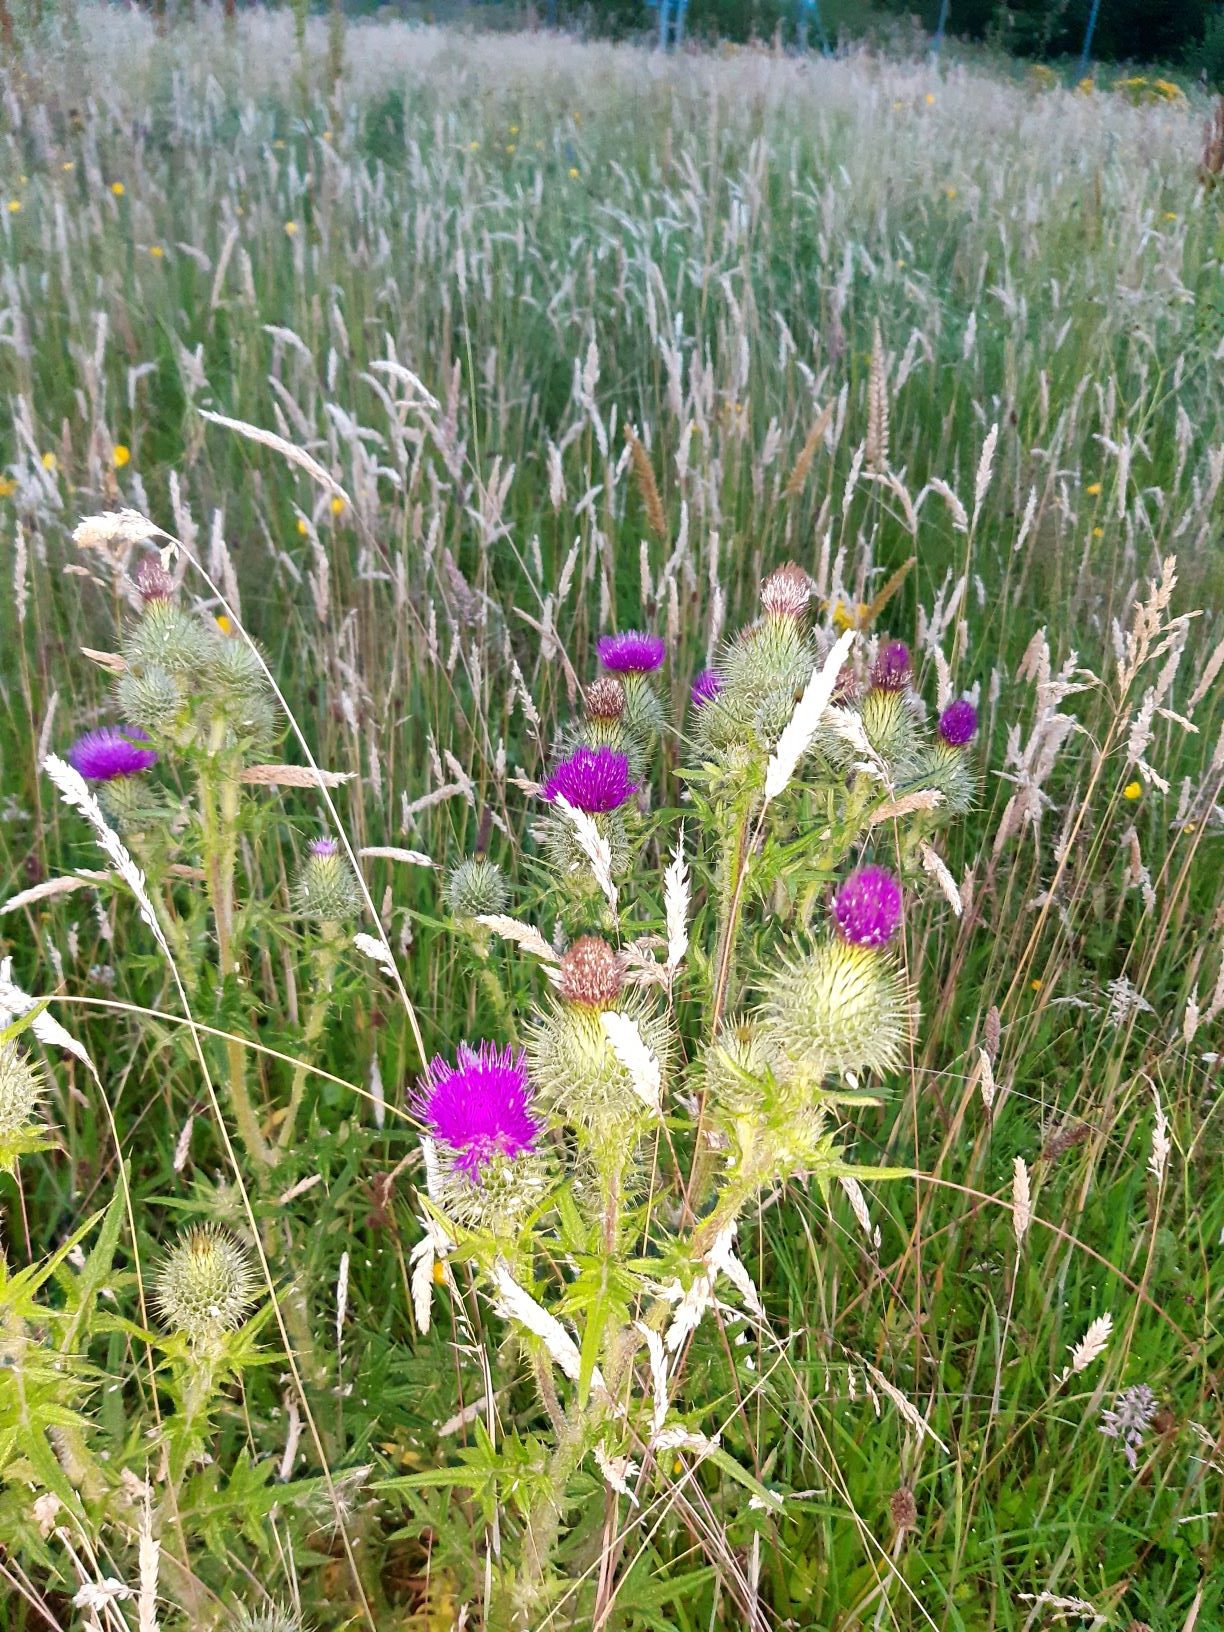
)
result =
(324, 967)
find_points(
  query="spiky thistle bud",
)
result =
(475, 887)
(275, 1618)
(605, 698)
(152, 699)
(235, 669)
(762, 672)
(787, 591)
(592, 973)
(21, 1091)
(166, 636)
(891, 726)
(205, 1284)
(840, 1009)
(705, 687)
(737, 1067)
(891, 670)
(325, 888)
(153, 582)
(580, 1078)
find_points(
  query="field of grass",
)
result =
(856, 314)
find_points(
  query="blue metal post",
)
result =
(1088, 32)
(678, 25)
(663, 11)
(940, 26)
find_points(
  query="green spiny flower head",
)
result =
(325, 888)
(235, 670)
(166, 636)
(205, 1284)
(476, 887)
(737, 1067)
(578, 1076)
(644, 716)
(891, 725)
(762, 672)
(151, 698)
(787, 592)
(571, 860)
(510, 1188)
(22, 1087)
(950, 771)
(275, 1618)
(838, 1009)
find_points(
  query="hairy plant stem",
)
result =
(324, 962)
(218, 818)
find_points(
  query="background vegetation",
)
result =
(454, 269)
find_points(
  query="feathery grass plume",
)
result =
(205, 1284)
(325, 888)
(803, 464)
(648, 488)
(800, 730)
(476, 888)
(877, 407)
(1090, 1347)
(1022, 1206)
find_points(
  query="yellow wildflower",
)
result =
(7, 487)
(290, 228)
(1132, 790)
(337, 505)
(1035, 984)
(930, 99)
(949, 192)
(438, 1272)
(14, 204)
(224, 624)
(118, 189)
(120, 455)
(67, 165)
(574, 172)
(156, 251)
(49, 461)
(473, 147)
(1170, 215)
(1093, 489)
(302, 528)
(514, 130)
(510, 147)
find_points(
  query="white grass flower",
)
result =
(629, 1046)
(797, 735)
(676, 904)
(1090, 1347)
(1022, 1204)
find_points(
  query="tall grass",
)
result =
(585, 338)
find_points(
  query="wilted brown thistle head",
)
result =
(605, 699)
(152, 580)
(787, 591)
(904, 1508)
(591, 973)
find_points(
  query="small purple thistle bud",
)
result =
(632, 652)
(705, 688)
(103, 755)
(324, 847)
(605, 699)
(958, 722)
(787, 591)
(892, 667)
(591, 973)
(153, 582)
(593, 779)
(480, 1107)
(867, 907)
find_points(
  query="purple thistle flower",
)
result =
(958, 722)
(705, 688)
(867, 907)
(324, 847)
(479, 1107)
(631, 653)
(593, 779)
(892, 667)
(103, 755)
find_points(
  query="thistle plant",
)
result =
(595, 1179)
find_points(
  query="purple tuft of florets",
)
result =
(705, 688)
(110, 752)
(631, 653)
(593, 779)
(958, 722)
(867, 907)
(480, 1107)
(892, 667)
(324, 847)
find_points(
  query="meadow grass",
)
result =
(855, 312)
